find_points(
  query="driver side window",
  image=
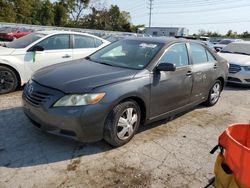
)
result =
(176, 54)
(56, 42)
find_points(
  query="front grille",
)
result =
(234, 68)
(35, 95)
(234, 79)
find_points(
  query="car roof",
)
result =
(163, 40)
(51, 32)
(242, 42)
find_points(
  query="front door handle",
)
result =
(66, 56)
(189, 73)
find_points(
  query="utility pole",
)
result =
(150, 12)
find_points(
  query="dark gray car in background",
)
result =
(126, 84)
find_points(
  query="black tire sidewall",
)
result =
(3, 68)
(110, 134)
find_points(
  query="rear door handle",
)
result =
(66, 56)
(216, 66)
(189, 73)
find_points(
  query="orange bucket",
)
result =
(235, 141)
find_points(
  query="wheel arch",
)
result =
(16, 72)
(141, 104)
(221, 79)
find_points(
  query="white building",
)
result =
(166, 31)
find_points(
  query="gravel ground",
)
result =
(163, 154)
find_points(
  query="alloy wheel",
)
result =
(126, 123)
(215, 94)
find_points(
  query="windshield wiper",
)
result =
(103, 63)
(100, 62)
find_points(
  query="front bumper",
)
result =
(242, 77)
(84, 123)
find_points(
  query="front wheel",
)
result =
(122, 123)
(8, 80)
(214, 93)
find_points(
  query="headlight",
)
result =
(246, 68)
(79, 100)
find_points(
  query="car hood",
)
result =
(81, 76)
(6, 51)
(238, 59)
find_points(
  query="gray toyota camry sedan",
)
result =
(109, 94)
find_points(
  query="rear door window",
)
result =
(82, 41)
(199, 54)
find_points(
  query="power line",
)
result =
(200, 4)
(212, 23)
(203, 10)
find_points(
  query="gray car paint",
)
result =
(160, 94)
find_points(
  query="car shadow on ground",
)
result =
(236, 87)
(23, 145)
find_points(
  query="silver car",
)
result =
(238, 56)
(223, 43)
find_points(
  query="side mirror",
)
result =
(36, 49)
(166, 67)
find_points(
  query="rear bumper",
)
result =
(6, 38)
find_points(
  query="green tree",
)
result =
(232, 34)
(47, 13)
(245, 34)
(23, 9)
(60, 14)
(6, 11)
(107, 19)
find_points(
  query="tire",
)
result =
(8, 80)
(214, 93)
(122, 123)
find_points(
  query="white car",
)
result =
(238, 56)
(22, 57)
(223, 43)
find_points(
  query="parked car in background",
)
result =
(114, 38)
(209, 45)
(204, 38)
(215, 40)
(223, 43)
(10, 34)
(22, 57)
(238, 56)
(127, 83)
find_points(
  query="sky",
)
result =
(212, 15)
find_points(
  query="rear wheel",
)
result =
(122, 123)
(214, 93)
(8, 80)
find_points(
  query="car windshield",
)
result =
(131, 54)
(225, 42)
(25, 41)
(237, 48)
